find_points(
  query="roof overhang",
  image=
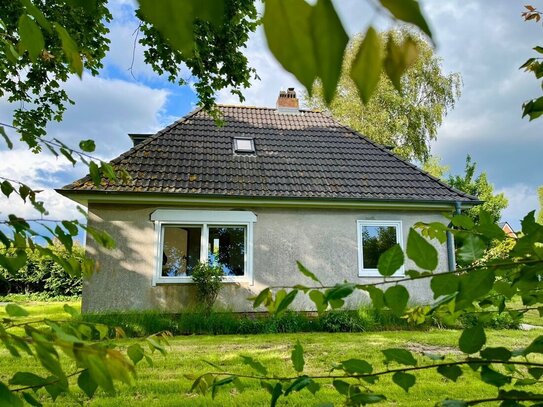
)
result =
(149, 198)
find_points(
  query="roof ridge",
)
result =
(384, 149)
(261, 107)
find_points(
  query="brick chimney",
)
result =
(287, 102)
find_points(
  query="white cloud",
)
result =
(105, 110)
(522, 199)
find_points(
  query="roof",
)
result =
(305, 155)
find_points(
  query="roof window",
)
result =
(244, 145)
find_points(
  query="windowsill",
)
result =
(373, 274)
(188, 280)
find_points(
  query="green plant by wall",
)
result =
(208, 281)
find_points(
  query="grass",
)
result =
(165, 383)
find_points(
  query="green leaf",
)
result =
(101, 237)
(285, 302)
(494, 378)
(538, 49)
(175, 19)
(408, 11)
(297, 357)
(472, 339)
(536, 372)
(27, 379)
(31, 38)
(453, 403)
(218, 383)
(444, 284)
(100, 374)
(306, 272)
(14, 310)
(401, 356)
(420, 251)
(341, 386)
(377, 296)
(108, 171)
(255, 365)
(7, 398)
(356, 366)
(95, 174)
(398, 59)
(451, 372)
(287, 25)
(404, 380)
(472, 249)
(339, 291)
(533, 108)
(6, 137)
(390, 261)
(473, 285)
(499, 353)
(6, 188)
(328, 48)
(463, 221)
(367, 65)
(30, 399)
(71, 310)
(135, 353)
(366, 398)
(298, 384)
(87, 145)
(37, 14)
(318, 299)
(261, 297)
(535, 347)
(276, 393)
(86, 383)
(396, 299)
(71, 227)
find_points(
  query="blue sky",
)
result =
(486, 42)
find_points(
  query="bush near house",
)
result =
(203, 322)
(43, 277)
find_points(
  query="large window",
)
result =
(186, 237)
(374, 238)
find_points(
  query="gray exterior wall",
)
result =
(324, 240)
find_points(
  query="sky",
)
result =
(484, 41)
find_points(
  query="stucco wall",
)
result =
(324, 240)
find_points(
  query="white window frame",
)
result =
(205, 219)
(363, 272)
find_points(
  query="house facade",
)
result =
(268, 188)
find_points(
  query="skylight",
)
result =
(244, 145)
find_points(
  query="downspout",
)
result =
(450, 239)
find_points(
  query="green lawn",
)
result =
(165, 384)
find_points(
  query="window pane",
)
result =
(375, 241)
(181, 250)
(227, 248)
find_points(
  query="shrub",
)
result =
(42, 275)
(208, 281)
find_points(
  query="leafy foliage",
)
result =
(41, 274)
(406, 120)
(533, 108)
(480, 187)
(478, 292)
(208, 281)
(206, 38)
(540, 212)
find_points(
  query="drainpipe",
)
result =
(450, 239)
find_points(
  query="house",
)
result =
(509, 231)
(272, 186)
